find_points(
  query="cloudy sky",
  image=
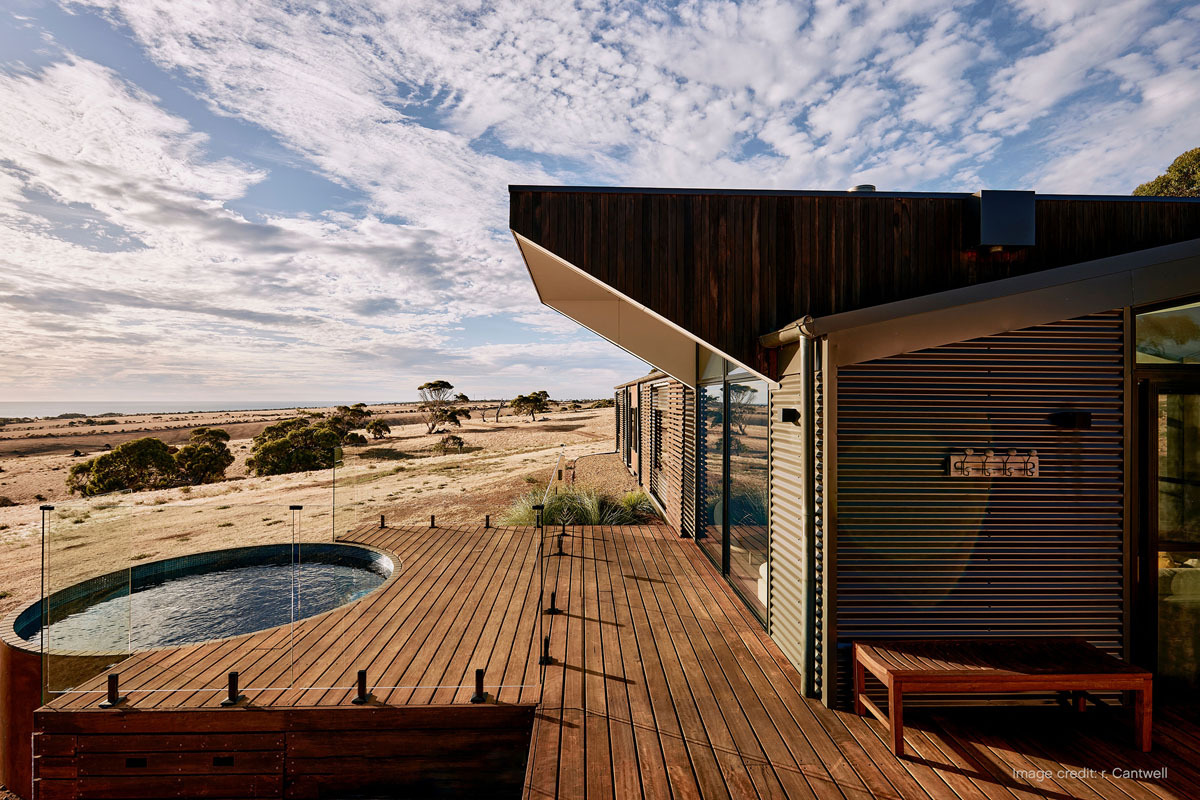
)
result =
(242, 200)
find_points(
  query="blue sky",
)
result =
(235, 199)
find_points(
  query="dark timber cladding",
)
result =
(730, 266)
(922, 554)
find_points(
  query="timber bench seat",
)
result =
(995, 666)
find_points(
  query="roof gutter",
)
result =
(789, 334)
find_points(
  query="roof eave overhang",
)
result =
(1132, 279)
(621, 320)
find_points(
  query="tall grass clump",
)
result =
(582, 507)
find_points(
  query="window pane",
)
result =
(1170, 336)
(748, 491)
(711, 401)
(1178, 468)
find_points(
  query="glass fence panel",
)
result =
(208, 572)
(485, 584)
(369, 484)
(84, 626)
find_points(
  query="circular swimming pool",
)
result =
(204, 596)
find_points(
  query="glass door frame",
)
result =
(701, 488)
(1150, 384)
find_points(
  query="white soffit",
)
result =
(606, 312)
(1144, 276)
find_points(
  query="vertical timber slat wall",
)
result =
(654, 436)
(671, 438)
(621, 407)
(788, 565)
(644, 435)
(688, 512)
(923, 554)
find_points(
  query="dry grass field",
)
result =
(401, 476)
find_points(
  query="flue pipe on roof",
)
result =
(862, 187)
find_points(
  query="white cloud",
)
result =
(428, 109)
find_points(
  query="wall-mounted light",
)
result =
(791, 415)
(1071, 419)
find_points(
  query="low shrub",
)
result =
(582, 507)
(449, 443)
(385, 454)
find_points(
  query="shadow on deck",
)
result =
(662, 685)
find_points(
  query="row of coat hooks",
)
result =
(969, 463)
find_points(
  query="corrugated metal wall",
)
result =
(922, 554)
(820, 545)
(788, 584)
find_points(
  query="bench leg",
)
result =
(896, 717)
(860, 686)
(1080, 699)
(1143, 704)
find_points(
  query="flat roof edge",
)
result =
(534, 188)
(656, 375)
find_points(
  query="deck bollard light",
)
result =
(232, 697)
(560, 550)
(487, 521)
(432, 521)
(480, 695)
(114, 691)
(545, 659)
(553, 609)
(362, 696)
(538, 509)
(381, 524)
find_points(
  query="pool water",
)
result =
(211, 605)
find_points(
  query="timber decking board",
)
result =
(663, 685)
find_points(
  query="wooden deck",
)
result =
(663, 685)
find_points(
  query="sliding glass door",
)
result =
(748, 492)
(733, 421)
(1167, 369)
(711, 418)
(1175, 525)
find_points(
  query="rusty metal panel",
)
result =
(921, 554)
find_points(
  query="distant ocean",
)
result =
(92, 408)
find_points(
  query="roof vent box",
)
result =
(1003, 218)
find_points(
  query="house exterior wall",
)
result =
(731, 266)
(790, 585)
(922, 554)
(870, 537)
